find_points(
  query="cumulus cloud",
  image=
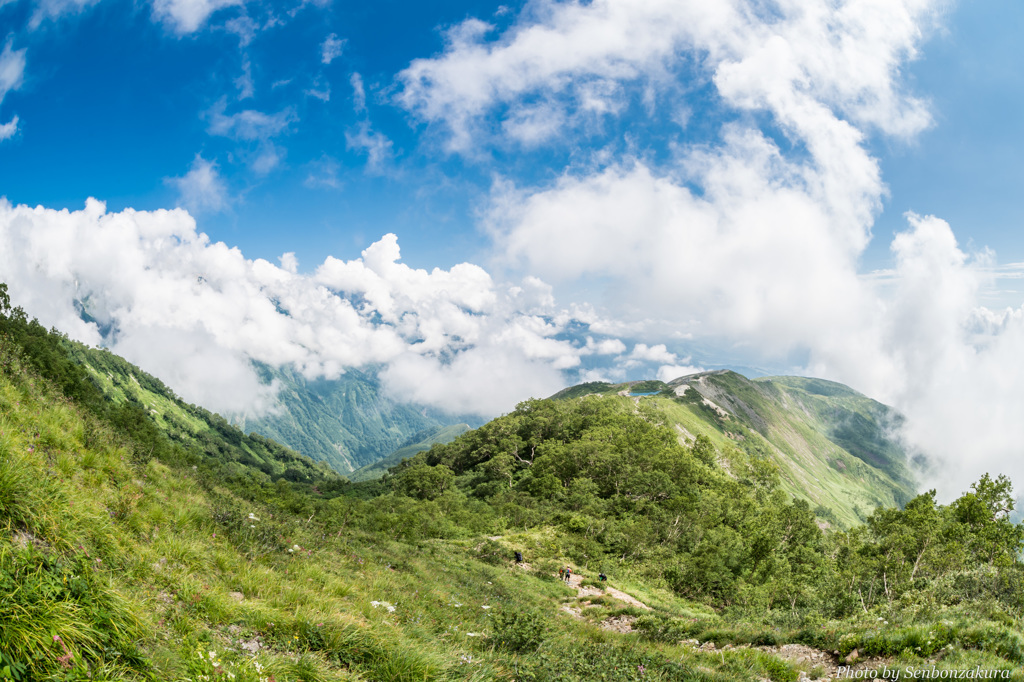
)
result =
(201, 189)
(667, 373)
(197, 312)
(574, 57)
(188, 16)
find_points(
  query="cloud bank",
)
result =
(196, 312)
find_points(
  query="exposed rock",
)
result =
(619, 624)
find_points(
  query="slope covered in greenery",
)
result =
(417, 443)
(347, 422)
(833, 446)
(129, 552)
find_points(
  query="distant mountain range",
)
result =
(347, 422)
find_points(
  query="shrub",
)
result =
(519, 631)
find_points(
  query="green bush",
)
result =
(519, 631)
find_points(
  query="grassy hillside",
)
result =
(832, 445)
(134, 548)
(416, 444)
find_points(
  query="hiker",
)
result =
(519, 557)
(561, 572)
(568, 574)
(602, 577)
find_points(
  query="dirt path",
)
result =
(827, 663)
(589, 591)
(622, 623)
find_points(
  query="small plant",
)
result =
(519, 631)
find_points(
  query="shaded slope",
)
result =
(347, 422)
(416, 444)
(832, 444)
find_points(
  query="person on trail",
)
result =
(602, 577)
(519, 557)
(568, 574)
(561, 572)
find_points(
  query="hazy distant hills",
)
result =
(348, 422)
(417, 443)
(834, 446)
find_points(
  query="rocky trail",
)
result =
(820, 664)
(813, 663)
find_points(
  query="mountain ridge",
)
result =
(833, 445)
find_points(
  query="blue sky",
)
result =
(488, 201)
(115, 101)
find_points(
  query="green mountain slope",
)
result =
(347, 423)
(833, 446)
(138, 544)
(416, 444)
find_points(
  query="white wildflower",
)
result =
(485, 607)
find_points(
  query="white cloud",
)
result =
(55, 9)
(323, 173)
(244, 83)
(248, 124)
(323, 94)
(289, 263)
(244, 27)
(197, 312)
(9, 129)
(667, 373)
(358, 93)
(377, 146)
(575, 56)
(12, 74)
(657, 353)
(331, 48)
(484, 380)
(267, 159)
(604, 347)
(188, 16)
(202, 188)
